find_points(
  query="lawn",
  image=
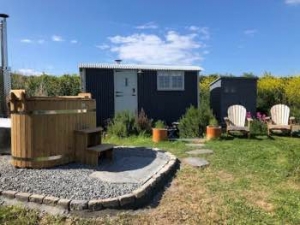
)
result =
(254, 181)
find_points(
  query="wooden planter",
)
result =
(213, 132)
(159, 134)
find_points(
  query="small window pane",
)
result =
(170, 80)
(177, 82)
(164, 82)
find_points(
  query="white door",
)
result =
(125, 90)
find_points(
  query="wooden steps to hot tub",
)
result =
(89, 147)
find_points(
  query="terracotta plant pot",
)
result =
(159, 134)
(213, 132)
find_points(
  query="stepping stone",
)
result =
(200, 152)
(192, 140)
(196, 162)
(195, 145)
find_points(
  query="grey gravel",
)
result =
(70, 181)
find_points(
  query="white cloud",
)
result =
(74, 41)
(193, 28)
(57, 38)
(203, 31)
(29, 72)
(205, 34)
(103, 46)
(292, 2)
(26, 40)
(173, 48)
(41, 41)
(250, 32)
(150, 25)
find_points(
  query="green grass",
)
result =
(254, 181)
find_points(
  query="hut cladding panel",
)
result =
(100, 83)
(168, 105)
(164, 92)
(227, 91)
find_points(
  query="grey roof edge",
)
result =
(138, 67)
(237, 78)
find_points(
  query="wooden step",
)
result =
(101, 148)
(90, 130)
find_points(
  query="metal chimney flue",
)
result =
(118, 61)
(5, 80)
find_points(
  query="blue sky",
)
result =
(222, 36)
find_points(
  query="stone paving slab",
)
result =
(196, 162)
(192, 140)
(133, 169)
(189, 140)
(200, 152)
(199, 145)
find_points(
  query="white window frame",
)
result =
(170, 74)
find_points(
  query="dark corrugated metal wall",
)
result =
(100, 83)
(234, 90)
(215, 102)
(166, 105)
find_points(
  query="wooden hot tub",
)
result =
(42, 128)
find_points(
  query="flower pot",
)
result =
(159, 134)
(213, 132)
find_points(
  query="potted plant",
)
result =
(159, 132)
(213, 130)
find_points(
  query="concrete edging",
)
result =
(136, 199)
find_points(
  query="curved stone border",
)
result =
(136, 199)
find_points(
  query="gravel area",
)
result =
(70, 181)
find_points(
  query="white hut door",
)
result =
(125, 90)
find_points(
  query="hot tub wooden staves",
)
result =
(42, 131)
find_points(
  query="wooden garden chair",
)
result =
(236, 119)
(279, 119)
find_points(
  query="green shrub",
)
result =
(258, 127)
(194, 121)
(142, 123)
(160, 124)
(213, 121)
(122, 125)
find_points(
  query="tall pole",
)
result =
(5, 79)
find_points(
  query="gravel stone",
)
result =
(71, 181)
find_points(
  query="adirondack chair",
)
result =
(236, 120)
(280, 119)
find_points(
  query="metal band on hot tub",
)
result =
(56, 112)
(41, 159)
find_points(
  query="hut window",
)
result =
(170, 80)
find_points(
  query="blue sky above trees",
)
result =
(221, 36)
